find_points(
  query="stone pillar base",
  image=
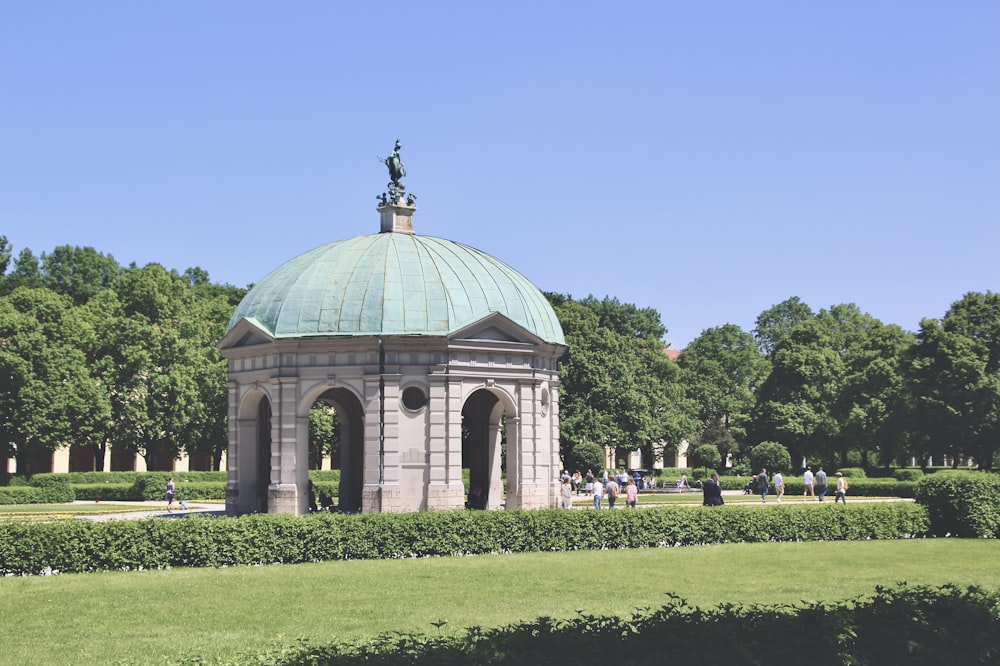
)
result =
(283, 498)
(232, 499)
(387, 498)
(532, 497)
(443, 498)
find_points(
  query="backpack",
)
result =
(613, 491)
(845, 483)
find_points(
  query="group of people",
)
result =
(814, 485)
(610, 486)
(584, 485)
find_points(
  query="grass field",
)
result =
(157, 617)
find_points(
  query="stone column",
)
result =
(232, 458)
(283, 491)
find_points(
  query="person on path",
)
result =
(820, 484)
(169, 494)
(841, 493)
(762, 484)
(613, 491)
(807, 484)
(598, 494)
(711, 492)
(566, 491)
(631, 494)
(590, 482)
(779, 486)
(683, 485)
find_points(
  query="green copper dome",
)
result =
(393, 284)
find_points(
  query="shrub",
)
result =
(903, 625)
(41, 491)
(584, 456)
(853, 472)
(772, 456)
(907, 474)
(961, 504)
(706, 455)
(701, 473)
(105, 492)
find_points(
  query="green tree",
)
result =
(955, 380)
(874, 396)
(706, 455)
(834, 386)
(5, 255)
(618, 388)
(585, 456)
(47, 396)
(154, 355)
(776, 323)
(26, 265)
(78, 272)
(724, 368)
(324, 433)
(771, 456)
(796, 401)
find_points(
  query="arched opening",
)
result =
(483, 450)
(262, 472)
(336, 433)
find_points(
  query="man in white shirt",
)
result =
(807, 482)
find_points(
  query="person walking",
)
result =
(598, 494)
(168, 496)
(841, 492)
(779, 486)
(807, 484)
(762, 484)
(566, 492)
(613, 491)
(631, 494)
(820, 484)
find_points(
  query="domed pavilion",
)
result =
(433, 355)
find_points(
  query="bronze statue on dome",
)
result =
(396, 173)
(395, 164)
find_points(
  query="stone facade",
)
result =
(402, 401)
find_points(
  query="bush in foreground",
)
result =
(903, 625)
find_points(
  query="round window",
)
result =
(414, 398)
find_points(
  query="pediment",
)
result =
(246, 333)
(496, 327)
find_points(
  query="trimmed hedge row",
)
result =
(40, 491)
(901, 625)
(962, 504)
(131, 477)
(82, 546)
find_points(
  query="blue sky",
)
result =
(706, 159)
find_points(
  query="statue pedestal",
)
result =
(397, 217)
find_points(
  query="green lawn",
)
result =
(159, 616)
(13, 510)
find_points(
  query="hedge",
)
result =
(81, 546)
(962, 504)
(40, 491)
(901, 625)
